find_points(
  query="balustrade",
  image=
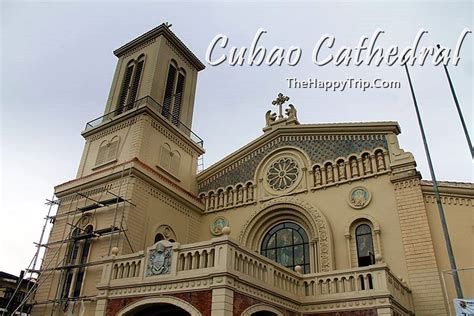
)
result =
(222, 255)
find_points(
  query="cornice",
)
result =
(161, 30)
(454, 189)
(131, 116)
(136, 168)
(329, 129)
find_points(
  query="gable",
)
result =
(319, 148)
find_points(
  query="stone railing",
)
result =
(170, 263)
(368, 280)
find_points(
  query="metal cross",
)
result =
(279, 101)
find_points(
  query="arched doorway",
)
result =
(158, 310)
(264, 313)
(261, 310)
(163, 306)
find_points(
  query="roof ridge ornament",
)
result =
(272, 119)
(280, 100)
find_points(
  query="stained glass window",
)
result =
(287, 244)
(365, 246)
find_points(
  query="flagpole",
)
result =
(461, 117)
(444, 225)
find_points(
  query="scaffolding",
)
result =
(72, 233)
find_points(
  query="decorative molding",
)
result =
(449, 200)
(138, 48)
(313, 217)
(357, 217)
(193, 311)
(177, 52)
(154, 192)
(218, 224)
(158, 259)
(406, 183)
(261, 307)
(359, 197)
(72, 197)
(318, 147)
(165, 132)
(113, 129)
(163, 288)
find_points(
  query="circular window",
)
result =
(282, 174)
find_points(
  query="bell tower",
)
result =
(136, 181)
(156, 64)
(158, 73)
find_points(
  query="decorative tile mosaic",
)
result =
(318, 147)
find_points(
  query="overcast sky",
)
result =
(57, 67)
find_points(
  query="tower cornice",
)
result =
(161, 30)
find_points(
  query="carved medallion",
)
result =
(359, 197)
(282, 174)
(219, 223)
(159, 260)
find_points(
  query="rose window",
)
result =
(282, 174)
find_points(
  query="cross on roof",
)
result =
(279, 101)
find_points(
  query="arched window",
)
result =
(107, 151)
(165, 232)
(159, 237)
(287, 244)
(127, 79)
(130, 84)
(77, 254)
(173, 93)
(365, 245)
(83, 260)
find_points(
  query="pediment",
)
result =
(320, 143)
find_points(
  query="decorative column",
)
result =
(379, 248)
(304, 169)
(373, 163)
(347, 168)
(349, 255)
(311, 176)
(361, 167)
(323, 176)
(313, 250)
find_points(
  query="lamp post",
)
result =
(461, 117)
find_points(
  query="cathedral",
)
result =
(307, 219)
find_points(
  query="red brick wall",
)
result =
(201, 300)
(242, 302)
(115, 305)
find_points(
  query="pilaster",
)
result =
(423, 272)
(222, 302)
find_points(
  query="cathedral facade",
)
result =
(307, 219)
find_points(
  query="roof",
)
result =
(5, 275)
(164, 30)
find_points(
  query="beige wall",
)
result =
(332, 203)
(460, 219)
